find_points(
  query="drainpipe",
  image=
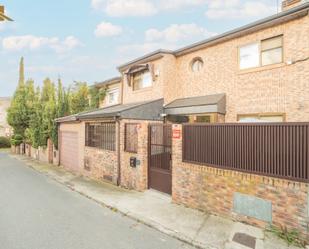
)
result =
(118, 154)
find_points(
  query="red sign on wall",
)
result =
(176, 134)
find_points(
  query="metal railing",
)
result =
(101, 135)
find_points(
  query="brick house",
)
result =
(256, 73)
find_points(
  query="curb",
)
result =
(148, 223)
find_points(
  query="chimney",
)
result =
(289, 4)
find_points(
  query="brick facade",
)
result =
(135, 178)
(212, 190)
(276, 88)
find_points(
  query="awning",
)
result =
(215, 103)
(147, 110)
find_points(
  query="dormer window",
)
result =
(197, 65)
(142, 79)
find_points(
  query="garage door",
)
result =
(69, 150)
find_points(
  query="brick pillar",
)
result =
(176, 156)
(143, 156)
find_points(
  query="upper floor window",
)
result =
(272, 50)
(113, 96)
(197, 64)
(263, 53)
(142, 79)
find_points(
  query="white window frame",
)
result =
(113, 91)
(260, 53)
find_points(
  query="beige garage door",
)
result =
(69, 150)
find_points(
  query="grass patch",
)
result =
(291, 237)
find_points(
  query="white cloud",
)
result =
(121, 8)
(235, 9)
(176, 33)
(15, 43)
(178, 4)
(172, 37)
(215, 9)
(107, 29)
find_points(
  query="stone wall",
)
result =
(253, 199)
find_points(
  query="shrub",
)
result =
(5, 142)
(16, 140)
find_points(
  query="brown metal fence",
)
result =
(272, 149)
(130, 137)
(101, 135)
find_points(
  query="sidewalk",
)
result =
(156, 210)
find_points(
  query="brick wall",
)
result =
(213, 190)
(135, 178)
(102, 164)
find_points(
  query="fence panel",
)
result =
(272, 149)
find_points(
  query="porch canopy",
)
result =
(147, 110)
(215, 103)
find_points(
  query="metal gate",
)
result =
(160, 157)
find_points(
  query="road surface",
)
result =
(38, 213)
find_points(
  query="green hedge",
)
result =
(16, 140)
(5, 142)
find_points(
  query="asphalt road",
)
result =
(38, 213)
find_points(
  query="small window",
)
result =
(272, 51)
(197, 65)
(131, 138)
(260, 118)
(113, 96)
(203, 119)
(142, 80)
(101, 135)
(249, 56)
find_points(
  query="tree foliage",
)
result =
(33, 111)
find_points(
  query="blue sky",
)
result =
(86, 40)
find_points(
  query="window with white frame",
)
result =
(272, 50)
(113, 96)
(142, 79)
(263, 53)
(249, 56)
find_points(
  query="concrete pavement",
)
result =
(156, 210)
(36, 212)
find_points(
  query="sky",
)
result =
(85, 40)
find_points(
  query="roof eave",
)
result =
(148, 57)
(111, 81)
(294, 13)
